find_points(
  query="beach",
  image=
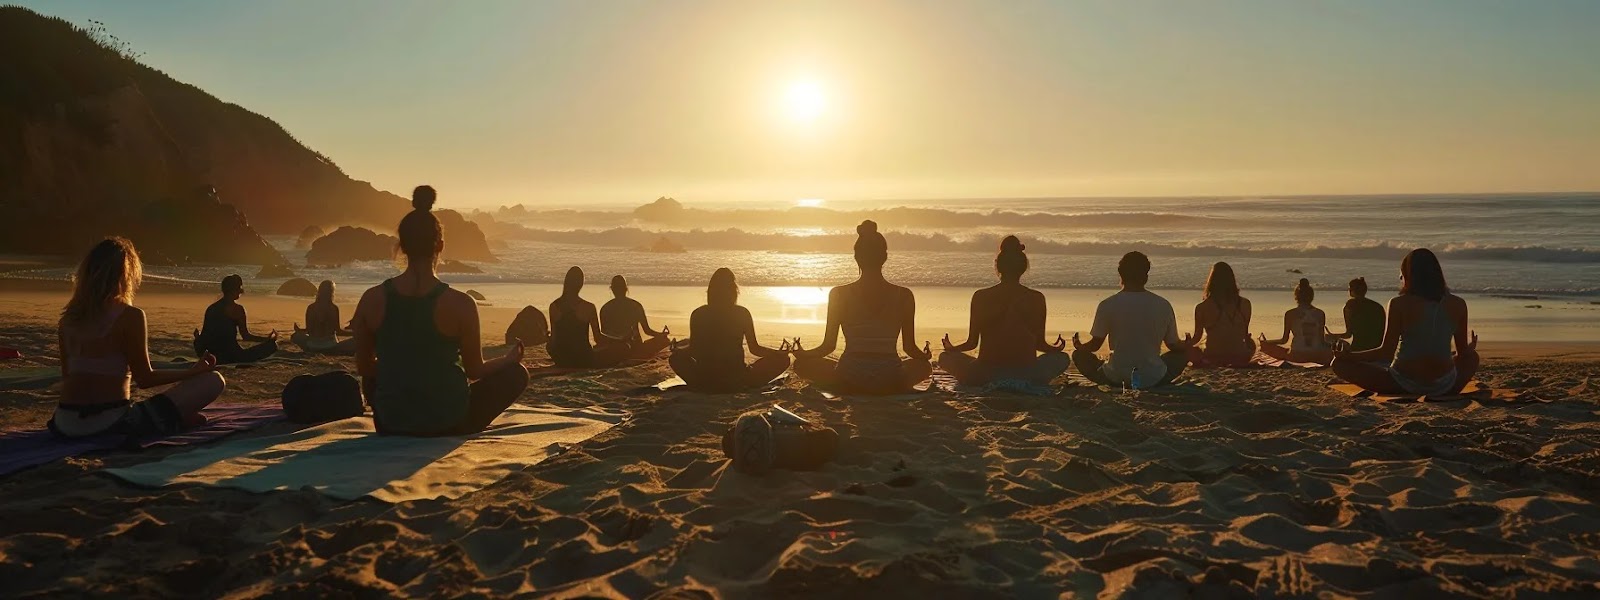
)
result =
(1237, 483)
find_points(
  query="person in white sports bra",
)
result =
(1307, 325)
(104, 346)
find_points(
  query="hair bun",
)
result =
(867, 227)
(423, 198)
(1012, 244)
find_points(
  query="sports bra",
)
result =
(110, 364)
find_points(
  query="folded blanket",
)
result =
(346, 459)
(21, 449)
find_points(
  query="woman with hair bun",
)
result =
(1415, 356)
(1309, 326)
(873, 314)
(418, 345)
(1007, 328)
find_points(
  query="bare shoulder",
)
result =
(457, 300)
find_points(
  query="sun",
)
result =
(804, 101)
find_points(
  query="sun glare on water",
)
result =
(808, 202)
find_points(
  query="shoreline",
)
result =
(176, 308)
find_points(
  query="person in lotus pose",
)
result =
(721, 331)
(1007, 329)
(1138, 322)
(622, 317)
(105, 345)
(873, 314)
(1415, 356)
(323, 327)
(418, 344)
(1307, 325)
(224, 319)
(1363, 319)
(1222, 319)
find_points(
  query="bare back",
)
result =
(1010, 321)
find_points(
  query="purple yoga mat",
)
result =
(24, 448)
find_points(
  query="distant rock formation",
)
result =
(308, 235)
(298, 287)
(463, 239)
(350, 244)
(663, 210)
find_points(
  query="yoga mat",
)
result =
(21, 449)
(677, 383)
(1268, 361)
(346, 459)
(1474, 390)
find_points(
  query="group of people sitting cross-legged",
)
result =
(418, 348)
(1007, 328)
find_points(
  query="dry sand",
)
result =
(1249, 482)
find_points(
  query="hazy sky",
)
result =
(499, 102)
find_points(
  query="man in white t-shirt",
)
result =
(1138, 323)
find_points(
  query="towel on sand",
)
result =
(346, 459)
(21, 449)
(1474, 390)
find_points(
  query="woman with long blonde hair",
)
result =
(105, 345)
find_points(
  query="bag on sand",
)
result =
(761, 440)
(322, 398)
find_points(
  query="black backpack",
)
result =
(322, 398)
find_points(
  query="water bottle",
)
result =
(1133, 379)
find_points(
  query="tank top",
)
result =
(422, 387)
(218, 332)
(1307, 331)
(1429, 336)
(1364, 321)
(569, 339)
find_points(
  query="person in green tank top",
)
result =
(418, 345)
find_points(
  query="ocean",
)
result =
(1529, 262)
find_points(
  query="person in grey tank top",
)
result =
(1424, 321)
